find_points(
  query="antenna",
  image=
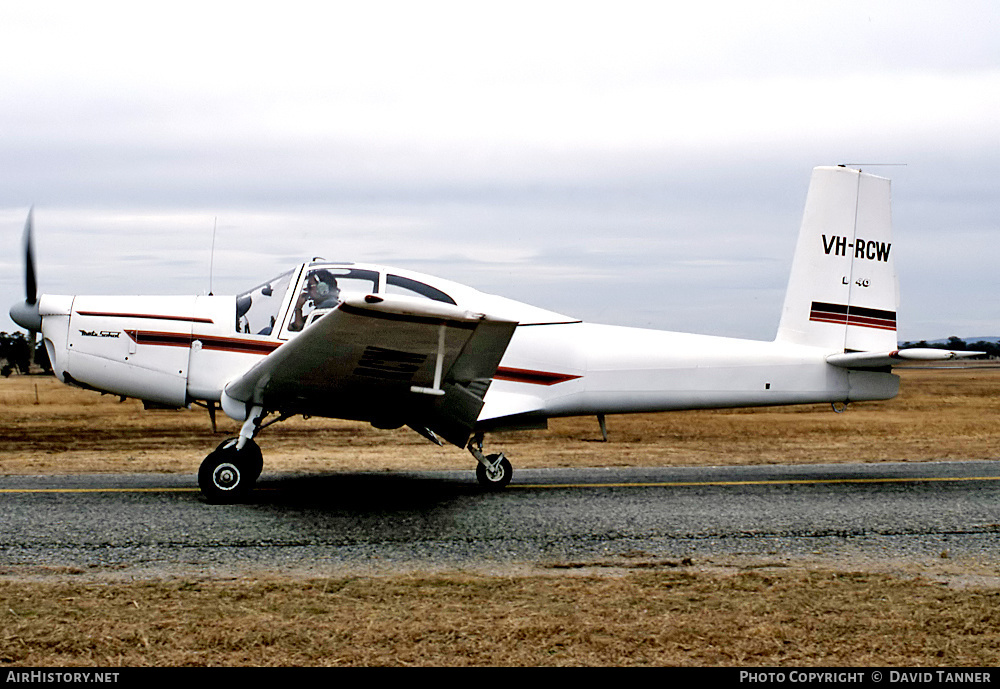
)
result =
(211, 260)
(860, 165)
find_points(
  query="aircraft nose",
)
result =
(27, 316)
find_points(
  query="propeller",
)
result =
(27, 314)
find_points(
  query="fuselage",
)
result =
(174, 350)
(604, 369)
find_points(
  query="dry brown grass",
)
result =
(648, 613)
(773, 618)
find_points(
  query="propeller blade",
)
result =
(26, 314)
(30, 282)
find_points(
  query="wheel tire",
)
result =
(227, 475)
(253, 460)
(249, 455)
(500, 479)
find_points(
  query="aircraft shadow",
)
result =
(361, 492)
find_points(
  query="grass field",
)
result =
(750, 613)
(754, 617)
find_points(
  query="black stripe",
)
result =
(844, 309)
(819, 306)
(852, 315)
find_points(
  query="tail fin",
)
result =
(842, 293)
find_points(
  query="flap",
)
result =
(388, 360)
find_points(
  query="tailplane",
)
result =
(842, 293)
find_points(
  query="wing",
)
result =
(388, 360)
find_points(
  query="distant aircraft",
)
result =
(393, 347)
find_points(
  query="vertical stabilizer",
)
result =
(842, 292)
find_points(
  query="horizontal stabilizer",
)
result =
(882, 359)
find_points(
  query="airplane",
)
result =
(398, 348)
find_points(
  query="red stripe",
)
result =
(185, 319)
(221, 344)
(232, 344)
(882, 326)
(521, 375)
(827, 313)
(841, 320)
(162, 339)
(855, 320)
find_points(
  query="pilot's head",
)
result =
(322, 285)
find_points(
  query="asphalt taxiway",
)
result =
(159, 524)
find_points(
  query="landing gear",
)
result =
(497, 476)
(228, 474)
(493, 471)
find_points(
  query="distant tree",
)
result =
(15, 352)
(992, 349)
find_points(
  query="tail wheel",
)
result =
(497, 477)
(227, 475)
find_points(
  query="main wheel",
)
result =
(227, 475)
(498, 478)
(250, 455)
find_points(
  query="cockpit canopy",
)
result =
(284, 305)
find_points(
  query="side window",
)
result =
(396, 284)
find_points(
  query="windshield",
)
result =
(257, 309)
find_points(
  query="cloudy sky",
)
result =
(639, 163)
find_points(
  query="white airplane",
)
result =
(394, 347)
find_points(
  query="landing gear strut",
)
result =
(493, 471)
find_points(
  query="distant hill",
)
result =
(992, 339)
(945, 340)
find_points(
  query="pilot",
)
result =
(321, 290)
